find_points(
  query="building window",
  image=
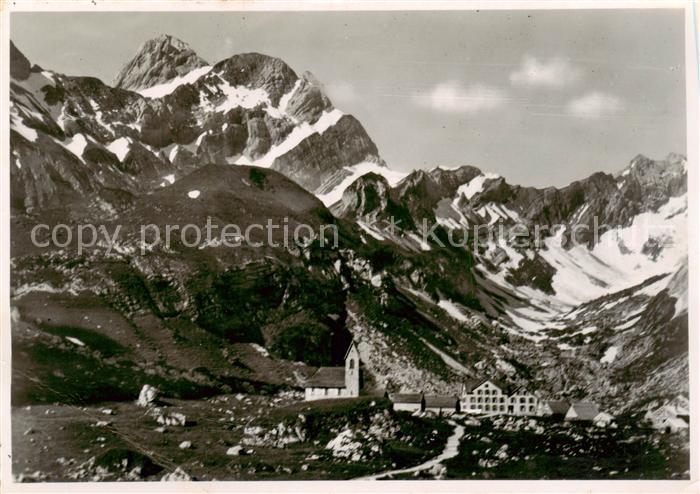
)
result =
(532, 400)
(502, 400)
(351, 365)
(522, 400)
(479, 400)
(478, 391)
(532, 408)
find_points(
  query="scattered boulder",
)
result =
(235, 451)
(185, 445)
(148, 396)
(122, 461)
(172, 419)
(178, 475)
(344, 445)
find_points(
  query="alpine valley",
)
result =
(230, 335)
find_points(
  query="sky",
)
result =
(540, 97)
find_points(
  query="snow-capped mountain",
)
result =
(178, 140)
(594, 237)
(248, 109)
(595, 271)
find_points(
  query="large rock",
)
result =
(148, 396)
(177, 475)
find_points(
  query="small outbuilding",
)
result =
(408, 402)
(582, 411)
(442, 404)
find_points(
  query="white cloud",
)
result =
(555, 72)
(594, 105)
(451, 97)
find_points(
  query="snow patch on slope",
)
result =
(120, 147)
(452, 310)
(475, 185)
(160, 90)
(241, 96)
(334, 195)
(678, 289)
(76, 145)
(618, 260)
(610, 355)
(295, 137)
(17, 124)
(449, 361)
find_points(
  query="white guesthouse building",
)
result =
(491, 396)
(336, 382)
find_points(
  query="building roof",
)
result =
(558, 406)
(406, 397)
(327, 377)
(585, 410)
(471, 384)
(520, 390)
(503, 386)
(353, 343)
(441, 401)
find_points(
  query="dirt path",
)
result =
(451, 450)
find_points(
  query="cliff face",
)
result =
(157, 61)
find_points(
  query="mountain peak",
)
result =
(19, 64)
(169, 39)
(158, 60)
(642, 165)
